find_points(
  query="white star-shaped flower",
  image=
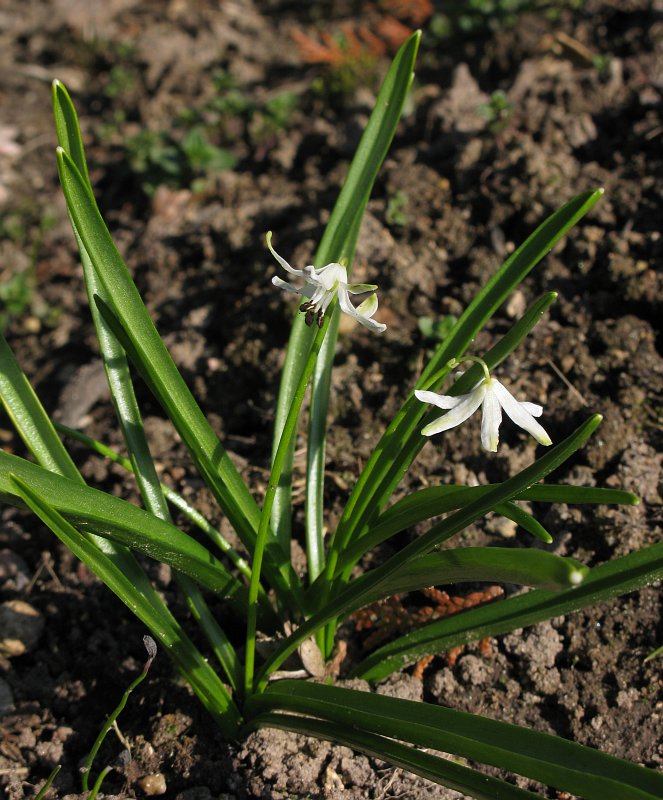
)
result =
(322, 285)
(494, 397)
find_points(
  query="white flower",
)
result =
(322, 285)
(494, 397)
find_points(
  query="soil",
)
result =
(459, 189)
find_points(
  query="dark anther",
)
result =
(321, 318)
(308, 319)
(306, 306)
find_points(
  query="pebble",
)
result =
(21, 625)
(153, 784)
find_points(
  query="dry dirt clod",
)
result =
(21, 625)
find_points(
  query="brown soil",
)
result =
(456, 193)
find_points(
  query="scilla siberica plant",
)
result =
(244, 689)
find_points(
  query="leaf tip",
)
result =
(577, 576)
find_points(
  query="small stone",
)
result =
(153, 784)
(21, 625)
(517, 305)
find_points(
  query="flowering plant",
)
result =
(244, 691)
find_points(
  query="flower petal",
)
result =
(491, 419)
(532, 408)
(459, 413)
(362, 314)
(520, 415)
(440, 400)
(281, 260)
(287, 287)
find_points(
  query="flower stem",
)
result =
(289, 430)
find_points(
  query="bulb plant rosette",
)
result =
(242, 687)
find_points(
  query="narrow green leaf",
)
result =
(122, 522)
(131, 324)
(552, 760)
(516, 514)
(441, 770)
(29, 418)
(198, 673)
(338, 242)
(173, 497)
(616, 577)
(527, 567)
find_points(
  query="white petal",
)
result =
(490, 422)
(369, 306)
(459, 413)
(281, 260)
(440, 400)
(532, 408)
(287, 287)
(357, 313)
(521, 416)
(330, 275)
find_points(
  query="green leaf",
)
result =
(198, 673)
(527, 567)
(338, 242)
(616, 577)
(124, 399)
(436, 500)
(122, 522)
(552, 760)
(29, 418)
(441, 770)
(130, 323)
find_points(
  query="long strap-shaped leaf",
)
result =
(36, 429)
(435, 500)
(338, 242)
(121, 522)
(363, 588)
(131, 324)
(401, 443)
(550, 759)
(123, 395)
(198, 673)
(441, 770)
(616, 577)
(526, 567)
